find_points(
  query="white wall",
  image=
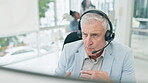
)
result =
(124, 13)
(18, 16)
(75, 5)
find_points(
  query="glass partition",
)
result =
(139, 36)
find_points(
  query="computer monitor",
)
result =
(8, 75)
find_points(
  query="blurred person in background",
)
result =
(86, 5)
(74, 22)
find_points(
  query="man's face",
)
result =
(93, 35)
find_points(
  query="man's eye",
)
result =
(94, 35)
(84, 34)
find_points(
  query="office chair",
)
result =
(73, 36)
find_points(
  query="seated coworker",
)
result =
(74, 22)
(80, 59)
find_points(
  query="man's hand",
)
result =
(68, 74)
(95, 75)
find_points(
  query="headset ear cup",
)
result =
(112, 36)
(109, 36)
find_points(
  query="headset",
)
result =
(109, 35)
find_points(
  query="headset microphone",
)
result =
(93, 52)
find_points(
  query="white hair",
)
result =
(94, 16)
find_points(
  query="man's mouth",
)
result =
(89, 48)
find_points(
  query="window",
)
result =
(140, 29)
(17, 48)
(48, 39)
(46, 13)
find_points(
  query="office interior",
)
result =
(33, 32)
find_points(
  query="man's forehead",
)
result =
(92, 31)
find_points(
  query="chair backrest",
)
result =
(71, 37)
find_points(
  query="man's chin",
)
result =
(90, 53)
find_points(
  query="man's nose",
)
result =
(89, 40)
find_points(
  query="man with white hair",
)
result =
(96, 56)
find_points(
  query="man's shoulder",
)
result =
(120, 51)
(74, 45)
(71, 48)
(120, 47)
